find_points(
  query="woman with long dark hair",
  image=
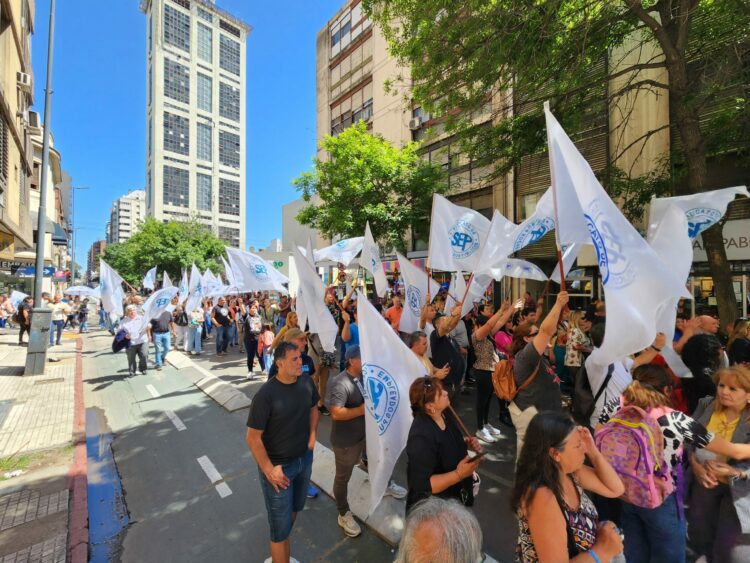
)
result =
(702, 354)
(555, 515)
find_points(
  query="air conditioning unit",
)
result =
(24, 81)
(34, 120)
(415, 123)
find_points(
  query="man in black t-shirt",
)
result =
(23, 314)
(281, 433)
(445, 350)
(159, 330)
(221, 320)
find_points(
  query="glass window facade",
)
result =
(229, 54)
(229, 149)
(203, 192)
(205, 15)
(229, 197)
(204, 143)
(230, 235)
(176, 187)
(229, 102)
(205, 88)
(205, 43)
(176, 81)
(176, 133)
(176, 28)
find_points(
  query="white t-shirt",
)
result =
(428, 330)
(133, 327)
(620, 379)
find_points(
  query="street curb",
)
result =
(78, 534)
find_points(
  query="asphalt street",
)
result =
(189, 484)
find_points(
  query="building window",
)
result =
(176, 133)
(229, 149)
(204, 15)
(176, 81)
(229, 54)
(230, 236)
(176, 186)
(229, 197)
(203, 192)
(205, 88)
(205, 43)
(204, 142)
(229, 102)
(176, 28)
(150, 135)
(184, 3)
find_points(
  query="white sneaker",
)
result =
(250, 375)
(395, 491)
(349, 525)
(485, 436)
(494, 432)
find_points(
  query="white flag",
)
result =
(17, 297)
(149, 280)
(370, 261)
(701, 210)
(231, 279)
(252, 273)
(456, 289)
(415, 293)
(569, 254)
(457, 236)
(343, 251)
(500, 241)
(156, 304)
(388, 369)
(517, 268)
(636, 282)
(110, 286)
(166, 282)
(184, 287)
(197, 290)
(318, 316)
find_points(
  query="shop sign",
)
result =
(29, 271)
(736, 242)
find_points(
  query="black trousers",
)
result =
(484, 395)
(251, 348)
(23, 328)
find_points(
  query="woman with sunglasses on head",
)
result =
(538, 384)
(438, 462)
(555, 516)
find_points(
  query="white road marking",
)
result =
(223, 490)
(176, 421)
(154, 393)
(214, 476)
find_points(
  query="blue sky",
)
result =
(98, 103)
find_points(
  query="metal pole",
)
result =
(73, 238)
(42, 218)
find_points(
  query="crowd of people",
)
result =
(579, 489)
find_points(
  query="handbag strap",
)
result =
(531, 378)
(610, 371)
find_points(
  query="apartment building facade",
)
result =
(92, 264)
(16, 151)
(195, 113)
(125, 216)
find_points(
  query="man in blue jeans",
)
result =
(281, 433)
(159, 330)
(220, 319)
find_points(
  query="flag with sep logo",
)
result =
(196, 289)
(149, 280)
(343, 251)
(184, 287)
(457, 236)
(388, 369)
(370, 260)
(157, 303)
(252, 273)
(415, 293)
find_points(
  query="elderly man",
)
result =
(221, 320)
(135, 333)
(393, 313)
(417, 342)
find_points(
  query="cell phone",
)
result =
(479, 455)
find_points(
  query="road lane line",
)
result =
(208, 468)
(176, 421)
(223, 490)
(154, 393)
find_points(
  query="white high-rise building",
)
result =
(195, 115)
(126, 214)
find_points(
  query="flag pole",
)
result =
(468, 287)
(557, 221)
(460, 422)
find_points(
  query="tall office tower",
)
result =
(124, 217)
(195, 114)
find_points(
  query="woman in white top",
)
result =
(136, 334)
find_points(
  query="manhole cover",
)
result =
(53, 380)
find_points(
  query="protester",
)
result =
(445, 351)
(102, 315)
(531, 363)
(440, 531)
(658, 534)
(181, 323)
(83, 316)
(487, 358)
(220, 319)
(132, 324)
(291, 321)
(281, 433)
(299, 339)
(578, 343)
(23, 314)
(393, 313)
(195, 329)
(252, 326)
(702, 354)
(159, 330)
(719, 500)
(437, 455)
(284, 308)
(264, 347)
(60, 311)
(555, 516)
(738, 347)
(417, 343)
(350, 331)
(6, 310)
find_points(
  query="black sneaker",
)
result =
(324, 411)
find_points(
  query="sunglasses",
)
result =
(426, 385)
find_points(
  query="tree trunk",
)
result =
(713, 242)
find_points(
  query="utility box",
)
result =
(36, 353)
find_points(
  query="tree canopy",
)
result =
(365, 178)
(170, 246)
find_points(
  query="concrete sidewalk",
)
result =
(37, 435)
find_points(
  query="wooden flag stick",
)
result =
(468, 287)
(460, 422)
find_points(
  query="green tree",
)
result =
(462, 54)
(170, 246)
(365, 178)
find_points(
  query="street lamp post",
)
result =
(73, 229)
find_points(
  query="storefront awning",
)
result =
(59, 236)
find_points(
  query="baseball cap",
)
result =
(352, 352)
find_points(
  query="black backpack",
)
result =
(584, 400)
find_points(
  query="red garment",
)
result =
(678, 399)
